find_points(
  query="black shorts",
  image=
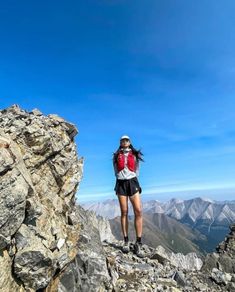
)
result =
(127, 187)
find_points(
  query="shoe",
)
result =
(138, 249)
(126, 247)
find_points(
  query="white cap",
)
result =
(125, 137)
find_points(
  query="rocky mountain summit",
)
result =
(39, 176)
(49, 243)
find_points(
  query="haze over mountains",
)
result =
(198, 224)
(194, 209)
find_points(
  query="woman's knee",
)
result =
(138, 212)
(124, 212)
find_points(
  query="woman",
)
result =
(126, 167)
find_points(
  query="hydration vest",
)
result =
(131, 162)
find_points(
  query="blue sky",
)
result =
(161, 72)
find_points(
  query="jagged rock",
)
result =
(88, 271)
(187, 262)
(219, 277)
(160, 254)
(179, 277)
(13, 192)
(232, 227)
(210, 262)
(101, 223)
(33, 262)
(104, 229)
(40, 173)
(224, 259)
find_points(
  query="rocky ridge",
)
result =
(39, 176)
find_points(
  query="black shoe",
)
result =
(126, 247)
(138, 249)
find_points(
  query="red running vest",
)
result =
(131, 162)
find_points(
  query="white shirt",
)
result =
(126, 173)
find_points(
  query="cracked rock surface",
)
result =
(39, 176)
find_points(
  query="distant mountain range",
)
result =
(206, 221)
(191, 211)
(160, 229)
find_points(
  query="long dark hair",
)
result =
(138, 154)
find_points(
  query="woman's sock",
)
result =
(138, 239)
(126, 238)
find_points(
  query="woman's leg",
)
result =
(123, 201)
(137, 206)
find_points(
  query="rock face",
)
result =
(39, 176)
(221, 264)
(88, 271)
(224, 258)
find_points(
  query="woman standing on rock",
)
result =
(126, 167)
